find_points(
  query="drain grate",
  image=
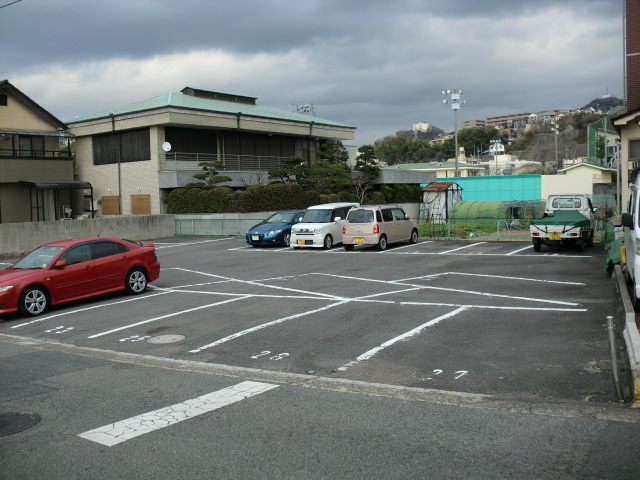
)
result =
(15, 422)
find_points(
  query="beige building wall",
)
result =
(597, 175)
(17, 115)
(558, 184)
(133, 178)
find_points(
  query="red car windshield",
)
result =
(39, 258)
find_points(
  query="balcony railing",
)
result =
(179, 161)
(39, 154)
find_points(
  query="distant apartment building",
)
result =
(520, 120)
(474, 124)
(422, 126)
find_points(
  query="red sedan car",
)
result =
(69, 270)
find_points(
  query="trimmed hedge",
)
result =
(256, 198)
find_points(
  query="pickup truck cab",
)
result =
(321, 225)
(568, 219)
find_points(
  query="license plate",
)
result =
(255, 238)
(300, 242)
(358, 240)
(555, 236)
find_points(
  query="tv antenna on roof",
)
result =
(306, 109)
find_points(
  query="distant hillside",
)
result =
(604, 104)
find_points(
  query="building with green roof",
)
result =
(133, 153)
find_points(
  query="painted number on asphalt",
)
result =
(134, 338)
(277, 357)
(458, 374)
(59, 330)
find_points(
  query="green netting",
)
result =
(489, 212)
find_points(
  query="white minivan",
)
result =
(630, 252)
(321, 226)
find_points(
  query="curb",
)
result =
(627, 315)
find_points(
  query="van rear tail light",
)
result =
(376, 228)
(344, 229)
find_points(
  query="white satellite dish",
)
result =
(166, 146)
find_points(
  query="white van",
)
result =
(321, 226)
(630, 252)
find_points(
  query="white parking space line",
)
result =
(262, 285)
(525, 279)
(184, 244)
(461, 248)
(264, 325)
(115, 433)
(520, 250)
(404, 336)
(430, 287)
(80, 310)
(173, 314)
(410, 287)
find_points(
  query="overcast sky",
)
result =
(378, 65)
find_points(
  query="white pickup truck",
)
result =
(568, 219)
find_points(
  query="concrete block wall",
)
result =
(22, 237)
(240, 223)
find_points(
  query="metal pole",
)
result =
(614, 361)
(618, 179)
(455, 135)
(556, 135)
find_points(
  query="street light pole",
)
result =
(556, 135)
(455, 100)
(495, 146)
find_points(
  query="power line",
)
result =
(10, 3)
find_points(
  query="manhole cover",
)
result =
(166, 339)
(15, 422)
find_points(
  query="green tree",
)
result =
(327, 177)
(333, 151)
(291, 169)
(403, 149)
(210, 176)
(367, 165)
(476, 139)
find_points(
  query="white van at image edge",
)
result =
(630, 252)
(321, 226)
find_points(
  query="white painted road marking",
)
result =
(461, 248)
(162, 317)
(404, 336)
(119, 432)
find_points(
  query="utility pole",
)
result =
(456, 102)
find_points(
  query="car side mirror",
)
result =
(60, 264)
(627, 220)
(337, 219)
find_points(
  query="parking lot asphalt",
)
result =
(471, 317)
